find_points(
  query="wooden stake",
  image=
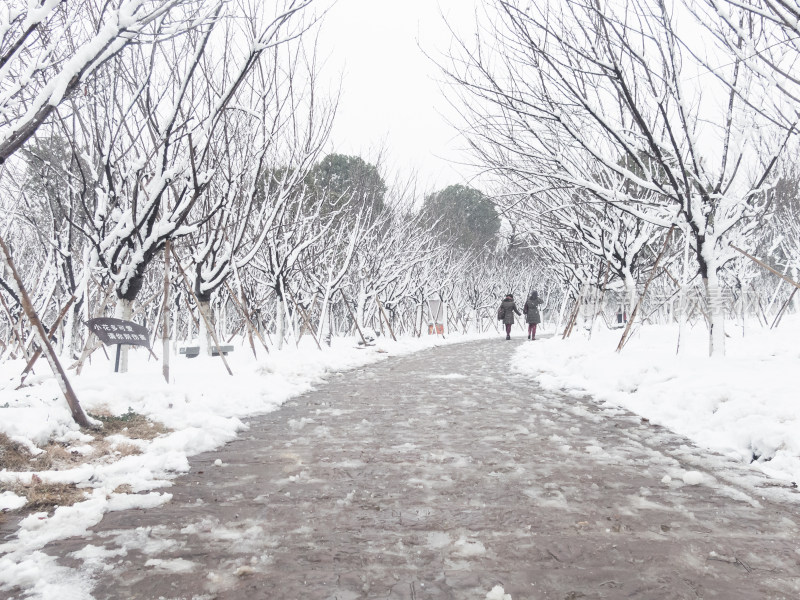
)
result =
(50, 333)
(766, 266)
(191, 314)
(573, 316)
(599, 301)
(235, 333)
(779, 315)
(389, 325)
(29, 367)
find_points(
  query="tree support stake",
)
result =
(44, 341)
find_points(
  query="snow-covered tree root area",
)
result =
(443, 475)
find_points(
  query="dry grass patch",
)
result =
(121, 450)
(59, 454)
(130, 424)
(56, 455)
(44, 496)
(16, 457)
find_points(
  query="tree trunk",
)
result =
(224, 330)
(280, 322)
(71, 329)
(361, 304)
(204, 335)
(561, 310)
(580, 319)
(716, 334)
(124, 311)
(323, 315)
(743, 308)
(293, 319)
(683, 290)
(708, 262)
(289, 319)
(631, 292)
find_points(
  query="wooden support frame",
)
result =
(653, 272)
(306, 322)
(47, 348)
(208, 325)
(352, 316)
(29, 367)
(247, 319)
(383, 314)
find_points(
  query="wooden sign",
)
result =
(118, 331)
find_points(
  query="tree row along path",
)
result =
(442, 475)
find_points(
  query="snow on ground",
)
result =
(202, 405)
(743, 405)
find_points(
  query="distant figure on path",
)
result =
(532, 316)
(506, 313)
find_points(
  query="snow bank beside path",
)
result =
(743, 405)
(203, 406)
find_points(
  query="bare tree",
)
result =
(147, 131)
(388, 261)
(570, 90)
(47, 52)
(764, 36)
(263, 153)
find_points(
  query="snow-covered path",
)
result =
(439, 475)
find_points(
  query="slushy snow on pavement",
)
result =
(744, 406)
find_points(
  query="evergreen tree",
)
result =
(339, 179)
(464, 214)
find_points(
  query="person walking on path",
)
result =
(532, 316)
(506, 313)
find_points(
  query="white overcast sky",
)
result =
(391, 96)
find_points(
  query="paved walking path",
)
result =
(438, 475)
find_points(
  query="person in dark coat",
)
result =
(532, 316)
(507, 308)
